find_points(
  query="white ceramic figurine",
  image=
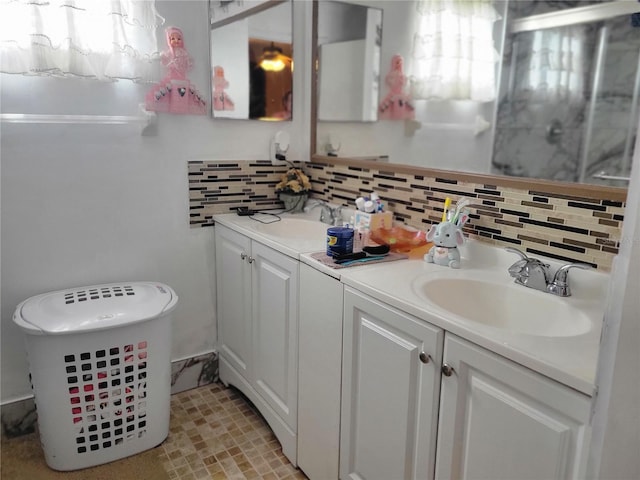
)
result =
(446, 237)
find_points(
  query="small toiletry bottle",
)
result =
(369, 206)
(360, 203)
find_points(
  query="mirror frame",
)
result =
(266, 5)
(549, 186)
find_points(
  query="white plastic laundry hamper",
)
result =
(100, 364)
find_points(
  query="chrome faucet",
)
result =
(336, 215)
(535, 274)
(529, 272)
(328, 215)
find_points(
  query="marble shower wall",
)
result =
(521, 147)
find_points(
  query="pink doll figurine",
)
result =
(221, 101)
(175, 93)
(397, 104)
(176, 59)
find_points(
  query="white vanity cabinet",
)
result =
(500, 420)
(257, 307)
(390, 392)
(494, 419)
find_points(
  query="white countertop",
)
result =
(570, 360)
(291, 246)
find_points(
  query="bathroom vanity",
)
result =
(450, 403)
(257, 328)
(406, 369)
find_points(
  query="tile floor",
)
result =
(216, 433)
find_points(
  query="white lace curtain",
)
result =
(102, 39)
(555, 70)
(453, 51)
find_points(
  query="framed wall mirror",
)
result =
(251, 57)
(588, 140)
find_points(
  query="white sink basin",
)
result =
(504, 305)
(294, 228)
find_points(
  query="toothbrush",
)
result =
(362, 260)
(462, 219)
(447, 204)
(463, 202)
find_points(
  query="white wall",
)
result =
(616, 423)
(86, 204)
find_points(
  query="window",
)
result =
(101, 39)
(556, 72)
(453, 51)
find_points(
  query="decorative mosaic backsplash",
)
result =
(564, 227)
(220, 186)
(567, 228)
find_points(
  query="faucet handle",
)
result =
(525, 261)
(562, 275)
(525, 258)
(517, 268)
(523, 255)
(560, 284)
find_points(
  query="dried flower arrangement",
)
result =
(294, 181)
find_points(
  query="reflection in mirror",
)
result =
(569, 94)
(349, 42)
(451, 135)
(251, 64)
(409, 142)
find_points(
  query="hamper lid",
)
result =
(96, 307)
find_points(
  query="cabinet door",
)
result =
(319, 373)
(499, 420)
(275, 330)
(233, 286)
(389, 395)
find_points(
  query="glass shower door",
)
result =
(612, 117)
(569, 104)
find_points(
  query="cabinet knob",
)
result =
(251, 259)
(425, 357)
(243, 255)
(447, 370)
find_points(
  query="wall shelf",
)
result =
(145, 119)
(477, 127)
